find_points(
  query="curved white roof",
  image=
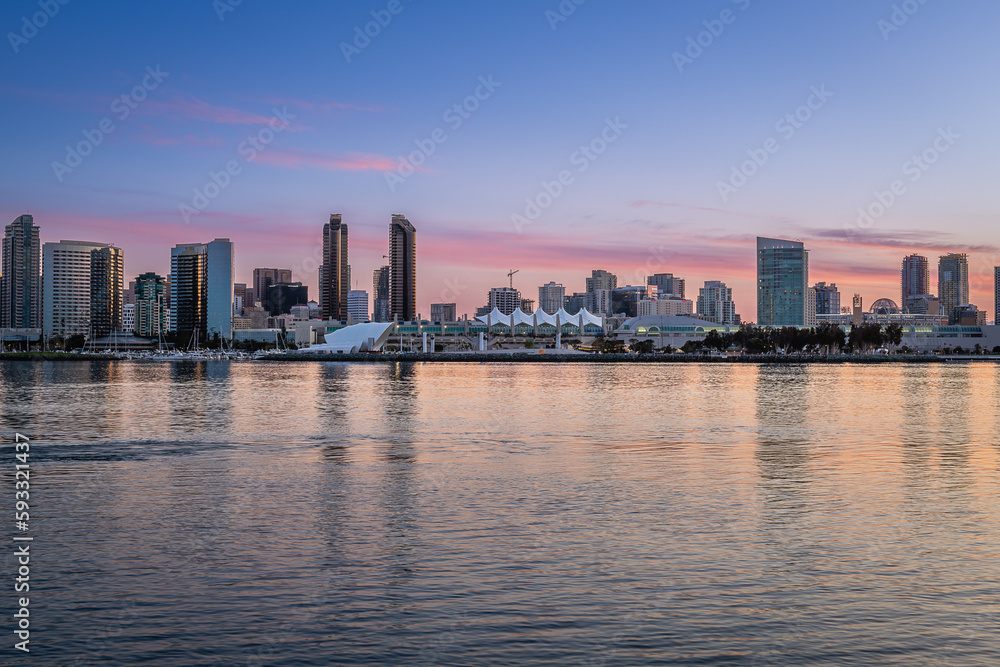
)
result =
(520, 317)
(364, 337)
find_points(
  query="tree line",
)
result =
(826, 338)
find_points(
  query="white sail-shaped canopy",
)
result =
(583, 317)
(495, 317)
(521, 317)
(590, 318)
(541, 317)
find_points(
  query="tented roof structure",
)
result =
(581, 319)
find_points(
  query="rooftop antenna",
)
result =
(510, 275)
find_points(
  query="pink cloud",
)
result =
(193, 108)
(185, 140)
(322, 105)
(298, 159)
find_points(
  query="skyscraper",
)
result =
(827, 299)
(551, 297)
(282, 296)
(715, 303)
(201, 290)
(380, 290)
(601, 279)
(239, 298)
(107, 282)
(402, 269)
(953, 282)
(150, 306)
(782, 281)
(504, 299)
(336, 279)
(21, 276)
(66, 287)
(915, 277)
(189, 314)
(996, 294)
(666, 283)
(357, 305)
(264, 278)
(599, 286)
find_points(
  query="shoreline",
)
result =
(533, 357)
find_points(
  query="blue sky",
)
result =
(649, 202)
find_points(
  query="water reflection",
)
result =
(319, 513)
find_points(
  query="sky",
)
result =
(550, 137)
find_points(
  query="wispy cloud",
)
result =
(323, 104)
(905, 240)
(193, 108)
(183, 140)
(299, 159)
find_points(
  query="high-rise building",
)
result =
(827, 299)
(402, 269)
(504, 299)
(444, 312)
(189, 314)
(240, 297)
(107, 281)
(782, 281)
(66, 287)
(601, 279)
(996, 295)
(128, 318)
(201, 284)
(915, 277)
(322, 281)
(357, 305)
(575, 302)
(282, 296)
(715, 303)
(626, 299)
(380, 290)
(264, 278)
(21, 276)
(922, 304)
(336, 281)
(151, 319)
(666, 283)
(550, 297)
(598, 301)
(810, 318)
(953, 282)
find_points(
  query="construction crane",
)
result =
(510, 275)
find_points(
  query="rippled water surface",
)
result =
(454, 514)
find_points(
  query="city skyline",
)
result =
(337, 126)
(600, 286)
